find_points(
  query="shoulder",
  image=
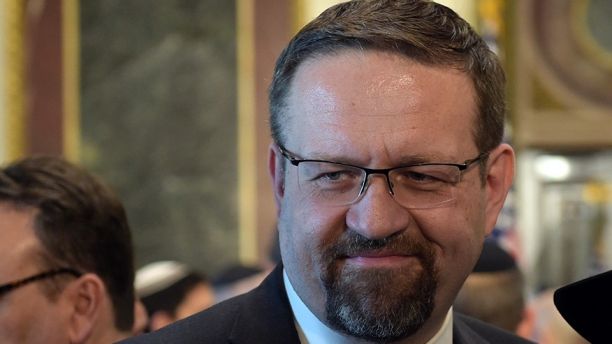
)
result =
(470, 330)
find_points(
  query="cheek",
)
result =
(456, 233)
(16, 319)
(304, 227)
(27, 320)
(10, 329)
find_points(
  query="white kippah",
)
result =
(157, 276)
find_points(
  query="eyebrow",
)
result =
(424, 159)
(403, 161)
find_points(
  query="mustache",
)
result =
(352, 243)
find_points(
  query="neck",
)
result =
(108, 336)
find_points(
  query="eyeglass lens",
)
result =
(425, 186)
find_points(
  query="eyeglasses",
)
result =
(414, 186)
(6, 288)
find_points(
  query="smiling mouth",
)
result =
(381, 259)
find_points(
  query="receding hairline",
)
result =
(40, 253)
(34, 256)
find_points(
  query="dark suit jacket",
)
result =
(264, 315)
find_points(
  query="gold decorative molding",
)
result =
(298, 9)
(14, 78)
(71, 66)
(561, 94)
(584, 37)
(247, 173)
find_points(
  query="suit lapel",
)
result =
(463, 334)
(266, 316)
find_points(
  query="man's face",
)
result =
(197, 299)
(26, 314)
(375, 269)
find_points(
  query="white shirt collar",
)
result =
(312, 331)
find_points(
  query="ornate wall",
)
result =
(158, 121)
(562, 66)
(174, 114)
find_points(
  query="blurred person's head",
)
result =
(67, 268)
(170, 291)
(237, 279)
(493, 292)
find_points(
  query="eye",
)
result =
(327, 175)
(408, 176)
(337, 176)
(427, 175)
(418, 177)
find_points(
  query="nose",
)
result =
(377, 215)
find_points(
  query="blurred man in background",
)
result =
(170, 291)
(66, 271)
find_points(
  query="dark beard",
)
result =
(380, 305)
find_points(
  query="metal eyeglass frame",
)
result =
(8, 287)
(295, 161)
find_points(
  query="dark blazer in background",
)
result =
(264, 316)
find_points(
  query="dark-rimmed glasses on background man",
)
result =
(8, 287)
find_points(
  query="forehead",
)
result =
(18, 243)
(372, 101)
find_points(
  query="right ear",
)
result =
(86, 295)
(277, 174)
